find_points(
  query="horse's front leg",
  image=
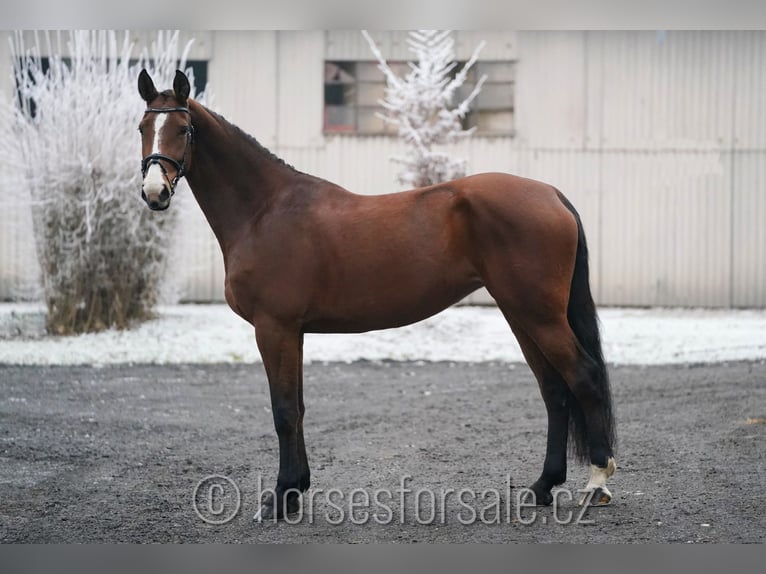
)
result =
(281, 348)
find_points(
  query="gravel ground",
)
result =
(114, 454)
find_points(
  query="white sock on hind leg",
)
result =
(598, 478)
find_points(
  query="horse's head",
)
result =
(166, 137)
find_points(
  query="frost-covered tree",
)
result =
(72, 152)
(421, 105)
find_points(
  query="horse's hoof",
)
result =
(595, 492)
(267, 510)
(533, 496)
(599, 496)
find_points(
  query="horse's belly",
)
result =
(404, 304)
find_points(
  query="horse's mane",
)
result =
(251, 141)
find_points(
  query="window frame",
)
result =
(353, 129)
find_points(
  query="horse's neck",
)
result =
(231, 179)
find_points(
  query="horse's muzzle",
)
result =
(157, 202)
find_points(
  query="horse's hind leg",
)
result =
(555, 395)
(538, 316)
(580, 372)
(536, 268)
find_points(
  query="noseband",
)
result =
(154, 159)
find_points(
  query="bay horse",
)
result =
(303, 255)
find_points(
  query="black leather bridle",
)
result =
(154, 159)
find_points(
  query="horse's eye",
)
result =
(140, 130)
(183, 131)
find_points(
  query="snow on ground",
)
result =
(212, 333)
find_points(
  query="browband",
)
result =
(167, 110)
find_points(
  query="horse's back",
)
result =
(504, 207)
(504, 189)
(349, 262)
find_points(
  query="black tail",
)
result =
(581, 313)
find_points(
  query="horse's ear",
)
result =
(181, 87)
(146, 87)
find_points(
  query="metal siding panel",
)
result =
(748, 230)
(339, 162)
(550, 89)
(621, 277)
(300, 77)
(594, 86)
(667, 91)
(246, 60)
(351, 45)
(201, 269)
(750, 87)
(19, 269)
(491, 154)
(666, 232)
(500, 45)
(6, 70)
(201, 48)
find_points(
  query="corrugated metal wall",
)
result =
(18, 263)
(658, 138)
(351, 45)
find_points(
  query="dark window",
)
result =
(353, 90)
(199, 67)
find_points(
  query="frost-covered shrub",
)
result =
(73, 152)
(421, 106)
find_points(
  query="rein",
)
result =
(154, 159)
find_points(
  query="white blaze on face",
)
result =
(154, 180)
